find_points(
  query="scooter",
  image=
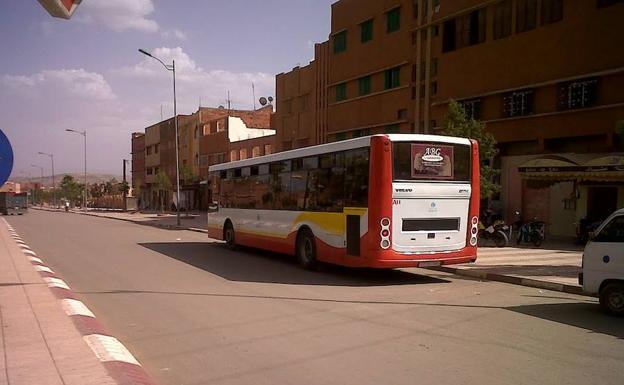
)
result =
(531, 232)
(495, 232)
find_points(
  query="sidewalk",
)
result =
(38, 342)
(553, 266)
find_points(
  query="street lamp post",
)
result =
(84, 195)
(51, 156)
(40, 181)
(175, 115)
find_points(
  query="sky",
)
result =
(86, 73)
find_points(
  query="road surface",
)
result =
(193, 312)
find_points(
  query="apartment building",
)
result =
(544, 75)
(208, 136)
(138, 165)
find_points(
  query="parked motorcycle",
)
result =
(498, 232)
(531, 232)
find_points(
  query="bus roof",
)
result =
(336, 146)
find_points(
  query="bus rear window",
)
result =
(431, 161)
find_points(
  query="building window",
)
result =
(255, 152)
(472, 108)
(435, 30)
(434, 67)
(341, 92)
(340, 42)
(464, 30)
(502, 19)
(149, 171)
(365, 85)
(606, 3)
(268, 149)
(341, 136)
(148, 150)
(366, 31)
(393, 129)
(518, 103)
(552, 11)
(402, 114)
(434, 88)
(233, 155)
(415, 9)
(393, 20)
(526, 15)
(243, 154)
(305, 102)
(392, 78)
(578, 94)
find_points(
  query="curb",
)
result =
(143, 223)
(514, 280)
(114, 356)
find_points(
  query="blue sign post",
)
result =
(6, 158)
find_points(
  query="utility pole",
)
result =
(51, 156)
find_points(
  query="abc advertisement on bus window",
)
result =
(430, 161)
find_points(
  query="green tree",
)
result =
(457, 123)
(164, 184)
(71, 189)
(186, 173)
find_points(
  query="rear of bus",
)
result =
(432, 183)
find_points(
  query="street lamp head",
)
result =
(144, 52)
(69, 130)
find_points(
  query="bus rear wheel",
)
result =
(229, 236)
(306, 249)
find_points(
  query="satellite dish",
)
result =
(270, 99)
(263, 101)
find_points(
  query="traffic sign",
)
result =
(6, 158)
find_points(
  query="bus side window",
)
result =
(356, 177)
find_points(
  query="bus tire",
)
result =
(305, 249)
(229, 236)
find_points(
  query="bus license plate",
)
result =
(430, 264)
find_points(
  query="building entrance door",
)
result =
(601, 202)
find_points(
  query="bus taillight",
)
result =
(385, 233)
(474, 230)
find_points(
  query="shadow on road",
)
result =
(250, 265)
(585, 315)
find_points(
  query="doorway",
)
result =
(601, 202)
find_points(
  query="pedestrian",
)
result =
(66, 206)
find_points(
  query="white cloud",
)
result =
(195, 82)
(174, 34)
(72, 83)
(119, 15)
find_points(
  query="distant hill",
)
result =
(91, 178)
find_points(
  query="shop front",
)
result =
(563, 189)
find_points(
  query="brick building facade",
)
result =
(544, 75)
(208, 136)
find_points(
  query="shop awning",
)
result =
(575, 167)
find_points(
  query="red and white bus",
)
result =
(382, 201)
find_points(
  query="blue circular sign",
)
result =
(6, 158)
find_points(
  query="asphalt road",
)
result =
(193, 312)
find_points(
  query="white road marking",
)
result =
(56, 282)
(108, 349)
(30, 252)
(44, 268)
(75, 307)
(35, 259)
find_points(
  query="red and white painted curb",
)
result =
(117, 359)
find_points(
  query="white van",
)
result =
(603, 264)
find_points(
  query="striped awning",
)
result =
(575, 167)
